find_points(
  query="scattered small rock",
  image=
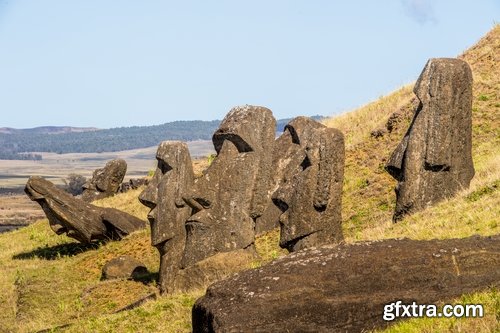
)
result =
(124, 267)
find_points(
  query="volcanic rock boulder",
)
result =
(105, 182)
(172, 178)
(434, 159)
(124, 267)
(132, 184)
(309, 171)
(344, 288)
(78, 219)
(235, 189)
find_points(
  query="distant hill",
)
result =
(46, 130)
(21, 143)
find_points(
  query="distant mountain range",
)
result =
(25, 143)
(46, 130)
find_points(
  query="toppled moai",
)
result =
(172, 178)
(235, 189)
(78, 219)
(310, 166)
(434, 159)
(105, 182)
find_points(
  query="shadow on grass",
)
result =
(148, 278)
(58, 251)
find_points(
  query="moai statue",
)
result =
(235, 189)
(173, 177)
(78, 219)
(105, 182)
(434, 159)
(309, 193)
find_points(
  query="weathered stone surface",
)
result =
(434, 159)
(172, 178)
(235, 189)
(124, 267)
(132, 184)
(78, 219)
(344, 288)
(105, 182)
(309, 171)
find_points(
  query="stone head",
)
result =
(65, 213)
(163, 195)
(230, 194)
(309, 194)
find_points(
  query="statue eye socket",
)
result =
(205, 203)
(164, 167)
(282, 205)
(306, 163)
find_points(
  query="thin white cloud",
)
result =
(421, 11)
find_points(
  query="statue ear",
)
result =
(439, 140)
(330, 149)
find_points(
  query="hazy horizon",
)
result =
(103, 128)
(109, 64)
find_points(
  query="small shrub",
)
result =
(211, 158)
(485, 190)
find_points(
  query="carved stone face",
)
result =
(65, 213)
(227, 198)
(309, 194)
(106, 181)
(434, 160)
(173, 176)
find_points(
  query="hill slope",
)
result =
(49, 280)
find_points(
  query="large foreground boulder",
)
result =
(344, 288)
(434, 159)
(78, 219)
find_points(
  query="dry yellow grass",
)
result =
(127, 202)
(357, 125)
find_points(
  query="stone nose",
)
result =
(148, 197)
(197, 203)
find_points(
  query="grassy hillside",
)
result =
(49, 280)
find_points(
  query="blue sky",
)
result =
(117, 63)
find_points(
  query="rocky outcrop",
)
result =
(235, 189)
(172, 178)
(105, 182)
(434, 159)
(78, 219)
(344, 288)
(132, 184)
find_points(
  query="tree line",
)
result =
(20, 145)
